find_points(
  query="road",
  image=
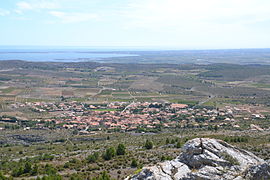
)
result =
(210, 96)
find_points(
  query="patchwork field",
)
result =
(63, 119)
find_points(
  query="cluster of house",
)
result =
(125, 116)
(52, 107)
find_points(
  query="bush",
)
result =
(230, 159)
(75, 177)
(24, 169)
(50, 170)
(27, 167)
(46, 157)
(121, 149)
(165, 158)
(2, 177)
(109, 154)
(236, 139)
(178, 144)
(134, 163)
(93, 157)
(148, 144)
(17, 171)
(34, 170)
(103, 176)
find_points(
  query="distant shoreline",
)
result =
(229, 56)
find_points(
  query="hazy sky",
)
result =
(183, 24)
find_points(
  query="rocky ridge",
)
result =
(208, 159)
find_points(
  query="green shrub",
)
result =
(178, 144)
(34, 170)
(93, 157)
(46, 157)
(121, 149)
(50, 170)
(103, 176)
(27, 167)
(76, 177)
(165, 158)
(17, 171)
(109, 154)
(148, 144)
(2, 177)
(229, 158)
(134, 163)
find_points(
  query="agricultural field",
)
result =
(88, 120)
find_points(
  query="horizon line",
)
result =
(160, 48)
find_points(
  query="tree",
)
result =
(93, 157)
(2, 177)
(50, 170)
(121, 149)
(167, 141)
(27, 167)
(215, 127)
(148, 144)
(178, 144)
(76, 177)
(75, 132)
(109, 154)
(134, 163)
(17, 171)
(104, 176)
(34, 170)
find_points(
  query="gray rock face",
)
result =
(208, 159)
(258, 172)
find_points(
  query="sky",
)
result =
(180, 24)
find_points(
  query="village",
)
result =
(137, 115)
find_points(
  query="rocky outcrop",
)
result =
(261, 171)
(208, 159)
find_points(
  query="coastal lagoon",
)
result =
(59, 55)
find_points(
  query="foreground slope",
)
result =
(204, 158)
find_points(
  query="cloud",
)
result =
(73, 17)
(36, 5)
(4, 12)
(181, 13)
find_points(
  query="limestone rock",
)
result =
(204, 158)
(259, 172)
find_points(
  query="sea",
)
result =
(60, 54)
(134, 55)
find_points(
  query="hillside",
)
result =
(204, 158)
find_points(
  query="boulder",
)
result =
(258, 172)
(208, 159)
